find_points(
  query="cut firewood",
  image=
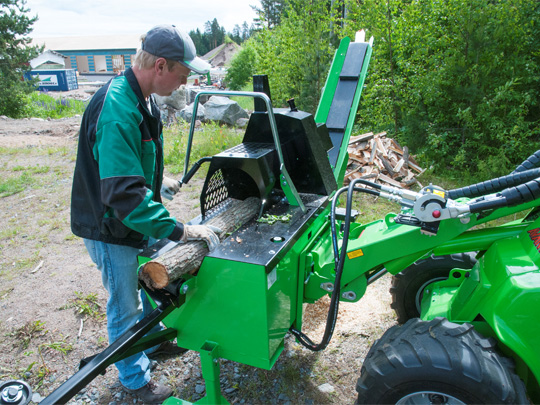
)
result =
(389, 180)
(399, 165)
(387, 165)
(187, 257)
(406, 157)
(375, 153)
(381, 147)
(361, 138)
(373, 150)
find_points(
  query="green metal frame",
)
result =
(499, 296)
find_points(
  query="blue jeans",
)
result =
(126, 304)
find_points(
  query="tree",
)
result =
(200, 40)
(296, 54)
(15, 54)
(215, 33)
(271, 12)
(457, 81)
(242, 67)
(471, 82)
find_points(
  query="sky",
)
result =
(59, 18)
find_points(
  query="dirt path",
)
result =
(44, 270)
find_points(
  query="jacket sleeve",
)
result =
(120, 155)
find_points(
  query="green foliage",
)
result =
(24, 177)
(42, 105)
(209, 140)
(15, 53)
(457, 81)
(242, 67)
(86, 306)
(214, 35)
(29, 331)
(296, 54)
(271, 11)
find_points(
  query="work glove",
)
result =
(201, 232)
(169, 188)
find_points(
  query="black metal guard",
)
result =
(131, 342)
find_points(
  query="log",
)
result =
(187, 257)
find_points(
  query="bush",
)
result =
(42, 105)
(242, 67)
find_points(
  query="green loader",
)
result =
(465, 293)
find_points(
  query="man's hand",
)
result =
(169, 188)
(202, 232)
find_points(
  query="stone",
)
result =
(326, 388)
(224, 110)
(176, 100)
(192, 93)
(187, 113)
(37, 398)
(199, 388)
(242, 122)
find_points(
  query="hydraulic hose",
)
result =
(196, 166)
(495, 185)
(529, 163)
(339, 260)
(520, 194)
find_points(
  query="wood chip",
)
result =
(37, 267)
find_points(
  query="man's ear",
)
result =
(161, 66)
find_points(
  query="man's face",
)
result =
(170, 80)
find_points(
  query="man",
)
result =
(116, 204)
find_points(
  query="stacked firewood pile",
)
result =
(379, 159)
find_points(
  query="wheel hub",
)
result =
(429, 398)
(15, 393)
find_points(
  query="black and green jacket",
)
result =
(116, 185)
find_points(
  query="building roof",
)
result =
(102, 42)
(48, 56)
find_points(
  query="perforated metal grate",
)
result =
(251, 149)
(216, 192)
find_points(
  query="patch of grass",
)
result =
(70, 237)
(5, 293)
(24, 177)
(26, 262)
(60, 346)
(86, 306)
(28, 332)
(208, 140)
(10, 232)
(14, 185)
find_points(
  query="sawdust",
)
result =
(43, 266)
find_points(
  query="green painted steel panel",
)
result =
(241, 307)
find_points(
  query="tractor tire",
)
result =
(437, 362)
(408, 286)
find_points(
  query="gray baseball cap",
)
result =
(167, 41)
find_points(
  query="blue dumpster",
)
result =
(55, 79)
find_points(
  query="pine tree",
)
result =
(15, 55)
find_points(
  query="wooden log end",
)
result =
(155, 275)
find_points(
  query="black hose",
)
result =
(196, 166)
(529, 163)
(494, 185)
(521, 194)
(339, 260)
